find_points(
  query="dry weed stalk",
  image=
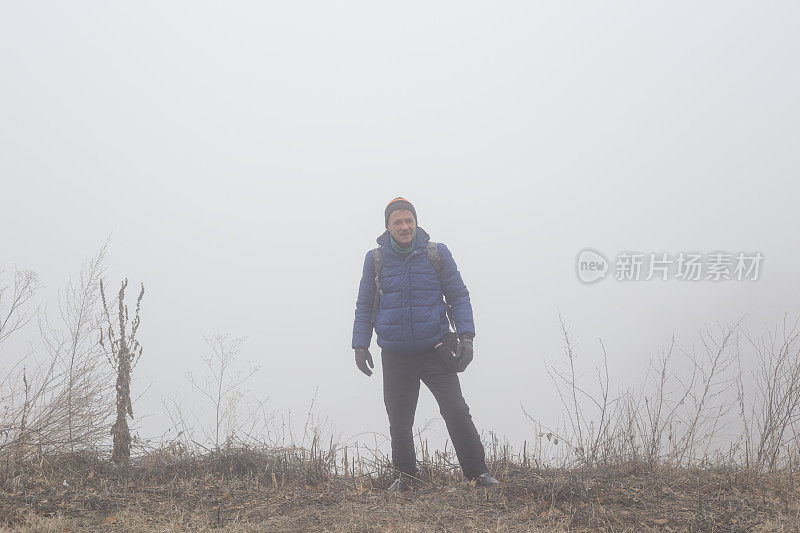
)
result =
(123, 351)
(18, 313)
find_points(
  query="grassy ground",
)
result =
(257, 491)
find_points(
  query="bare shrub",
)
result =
(672, 418)
(775, 401)
(60, 402)
(16, 395)
(591, 438)
(239, 417)
(76, 347)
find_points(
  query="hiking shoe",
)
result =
(401, 484)
(485, 480)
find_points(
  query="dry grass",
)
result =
(278, 490)
(707, 441)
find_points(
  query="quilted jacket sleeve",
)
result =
(362, 326)
(456, 293)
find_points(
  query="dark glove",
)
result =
(362, 358)
(446, 350)
(464, 351)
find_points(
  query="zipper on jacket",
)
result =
(411, 324)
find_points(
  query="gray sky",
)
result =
(241, 157)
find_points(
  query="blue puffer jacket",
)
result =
(411, 315)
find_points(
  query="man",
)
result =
(411, 319)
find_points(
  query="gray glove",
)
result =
(464, 352)
(363, 357)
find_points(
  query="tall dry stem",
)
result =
(123, 351)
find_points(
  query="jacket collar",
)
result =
(422, 240)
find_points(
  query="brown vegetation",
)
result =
(707, 441)
(292, 490)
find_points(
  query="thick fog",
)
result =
(240, 157)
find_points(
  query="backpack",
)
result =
(436, 261)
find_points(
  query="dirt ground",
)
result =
(92, 495)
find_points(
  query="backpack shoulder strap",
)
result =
(377, 264)
(436, 261)
(435, 258)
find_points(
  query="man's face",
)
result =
(401, 226)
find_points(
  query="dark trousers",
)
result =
(402, 372)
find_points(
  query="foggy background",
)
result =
(240, 157)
